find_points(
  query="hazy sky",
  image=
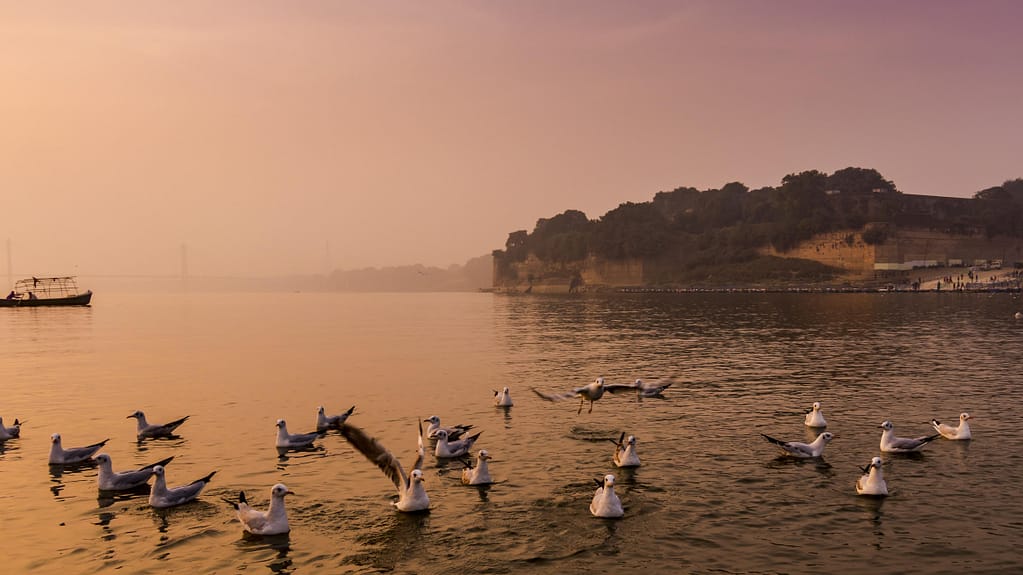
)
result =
(300, 136)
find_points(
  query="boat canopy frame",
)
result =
(46, 288)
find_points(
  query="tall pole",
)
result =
(184, 266)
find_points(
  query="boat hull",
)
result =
(80, 299)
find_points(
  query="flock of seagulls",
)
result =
(872, 481)
(452, 442)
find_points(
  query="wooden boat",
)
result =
(35, 292)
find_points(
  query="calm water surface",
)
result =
(711, 496)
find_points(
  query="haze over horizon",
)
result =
(278, 138)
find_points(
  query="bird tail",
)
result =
(772, 440)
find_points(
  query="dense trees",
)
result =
(689, 227)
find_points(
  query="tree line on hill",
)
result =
(692, 228)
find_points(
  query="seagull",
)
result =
(110, 480)
(605, 503)
(325, 422)
(591, 392)
(814, 417)
(803, 450)
(273, 521)
(480, 474)
(949, 432)
(456, 448)
(455, 432)
(892, 444)
(61, 456)
(872, 480)
(12, 432)
(161, 497)
(287, 440)
(411, 492)
(502, 398)
(625, 451)
(644, 389)
(146, 429)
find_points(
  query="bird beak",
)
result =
(289, 492)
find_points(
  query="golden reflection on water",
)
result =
(743, 364)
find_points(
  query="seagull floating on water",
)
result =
(625, 451)
(273, 521)
(814, 417)
(480, 473)
(325, 422)
(161, 497)
(453, 432)
(892, 444)
(605, 503)
(12, 432)
(803, 450)
(287, 440)
(949, 432)
(503, 398)
(61, 456)
(457, 448)
(110, 480)
(591, 392)
(151, 430)
(872, 481)
(411, 491)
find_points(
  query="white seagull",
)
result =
(591, 392)
(12, 432)
(480, 474)
(287, 440)
(502, 398)
(61, 456)
(411, 491)
(803, 450)
(150, 430)
(814, 417)
(273, 521)
(892, 444)
(872, 481)
(625, 451)
(453, 432)
(325, 422)
(949, 432)
(457, 448)
(161, 497)
(110, 480)
(605, 503)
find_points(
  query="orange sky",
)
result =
(297, 137)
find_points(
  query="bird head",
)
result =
(135, 415)
(158, 471)
(55, 438)
(280, 490)
(442, 434)
(827, 436)
(280, 424)
(417, 476)
(609, 480)
(484, 454)
(433, 419)
(964, 416)
(887, 425)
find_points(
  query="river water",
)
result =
(710, 497)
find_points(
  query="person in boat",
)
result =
(11, 295)
(32, 295)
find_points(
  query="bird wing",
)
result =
(620, 387)
(420, 451)
(84, 452)
(793, 447)
(377, 453)
(172, 425)
(162, 463)
(253, 519)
